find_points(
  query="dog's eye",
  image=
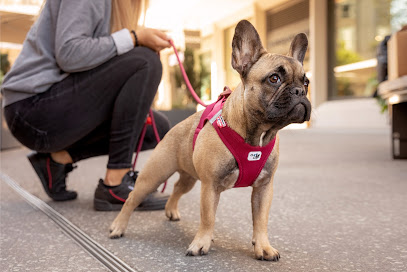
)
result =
(274, 79)
(306, 82)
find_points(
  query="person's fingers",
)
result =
(154, 39)
(162, 43)
(165, 38)
(162, 35)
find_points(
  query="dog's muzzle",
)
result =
(301, 111)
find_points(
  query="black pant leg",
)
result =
(118, 92)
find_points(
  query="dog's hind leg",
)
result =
(183, 186)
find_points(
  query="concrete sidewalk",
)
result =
(339, 205)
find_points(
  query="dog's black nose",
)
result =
(297, 91)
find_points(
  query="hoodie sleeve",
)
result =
(77, 48)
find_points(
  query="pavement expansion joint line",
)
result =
(104, 256)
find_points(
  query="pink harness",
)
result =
(250, 159)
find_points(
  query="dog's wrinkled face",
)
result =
(275, 85)
(281, 88)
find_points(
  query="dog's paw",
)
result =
(173, 215)
(116, 230)
(266, 253)
(199, 247)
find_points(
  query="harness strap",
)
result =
(210, 111)
(250, 159)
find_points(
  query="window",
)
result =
(357, 28)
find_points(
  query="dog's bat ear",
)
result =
(298, 47)
(246, 48)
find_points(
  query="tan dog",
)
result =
(272, 94)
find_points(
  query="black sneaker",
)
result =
(112, 198)
(52, 176)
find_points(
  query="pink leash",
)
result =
(150, 119)
(184, 75)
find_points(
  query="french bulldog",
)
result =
(271, 95)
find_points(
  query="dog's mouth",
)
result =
(300, 112)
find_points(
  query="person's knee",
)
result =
(152, 57)
(150, 62)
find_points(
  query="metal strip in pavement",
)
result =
(85, 241)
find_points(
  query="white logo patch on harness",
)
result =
(254, 156)
(220, 121)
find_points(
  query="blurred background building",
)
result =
(341, 59)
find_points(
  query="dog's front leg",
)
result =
(142, 188)
(261, 202)
(119, 225)
(203, 239)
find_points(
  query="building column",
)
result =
(218, 62)
(163, 99)
(259, 22)
(319, 51)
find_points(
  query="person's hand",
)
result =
(153, 39)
